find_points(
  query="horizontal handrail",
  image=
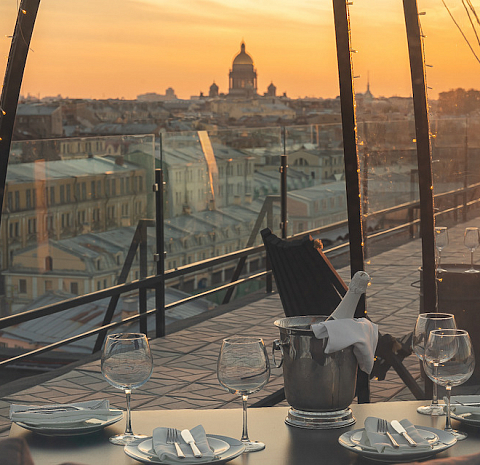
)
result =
(151, 282)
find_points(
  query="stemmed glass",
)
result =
(127, 364)
(471, 241)
(427, 322)
(243, 368)
(449, 361)
(441, 241)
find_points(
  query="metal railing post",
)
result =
(283, 187)
(160, 255)
(142, 293)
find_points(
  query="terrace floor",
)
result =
(185, 361)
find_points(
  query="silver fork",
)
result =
(382, 427)
(172, 438)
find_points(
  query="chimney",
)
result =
(237, 200)
(248, 198)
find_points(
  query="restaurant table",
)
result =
(285, 445)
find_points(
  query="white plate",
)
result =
(350, 440)
(429, 436)
(218, 446)
(469, 418)
(472, 419)
(225, 449)
(75, 428)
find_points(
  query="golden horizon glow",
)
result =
(122, 49)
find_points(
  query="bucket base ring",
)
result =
(320, 420)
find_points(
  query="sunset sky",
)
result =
(123, 48)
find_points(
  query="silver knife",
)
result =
(401, 430)
(188, 438)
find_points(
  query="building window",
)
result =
(17, 200)
(62, 194)
(10, 201)
(122, 186)
(74, 288)
(48, 263)
(93, 189)
(14, 230)
(32, 225)
(114, 187)
(22, 286)
(69, 194)
(84, 191)
(52, 195)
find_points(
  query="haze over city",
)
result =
(122, 49)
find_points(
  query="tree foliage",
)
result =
(459, 102)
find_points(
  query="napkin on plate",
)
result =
(168, 452)
(382, 444)
(456, 401)
(359, 332)
(62, 413)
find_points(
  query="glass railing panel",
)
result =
(71, 207)
(218, 183)
(316, 181)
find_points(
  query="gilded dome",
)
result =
(243, 58)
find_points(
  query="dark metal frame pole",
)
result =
(349, 127)
(12, 83)
(352, 168)
(424, 158)
(160, 255)
(283, 186)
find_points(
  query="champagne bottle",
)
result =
(346, 308)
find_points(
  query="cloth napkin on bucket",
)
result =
(168, 452)
(380, 441)
(359, 332)
(62, 413)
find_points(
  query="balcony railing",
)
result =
(210, 200)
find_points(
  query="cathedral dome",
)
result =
(243, 58)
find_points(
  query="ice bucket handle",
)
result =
(277, 345)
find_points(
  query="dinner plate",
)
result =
(225, 449)
(76, 428)
(350, 440)
(468, 418)
(429, 436)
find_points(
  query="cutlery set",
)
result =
(382, 428)
(172, 438)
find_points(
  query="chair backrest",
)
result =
(306, 280)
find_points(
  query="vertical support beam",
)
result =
(352, 168)
(12, 83)
(160, 255)
(283, 187)
(424, 159)
(142, 292)
(349, 127)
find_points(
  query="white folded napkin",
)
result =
(62, 413)
(168, 452)
(359, 332)
(381, 442)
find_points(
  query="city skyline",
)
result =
(94, 50)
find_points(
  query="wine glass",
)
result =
(449, 361)
(243, 368)
(441, 241)
(427, 322)
(471, 241)
(127, 364)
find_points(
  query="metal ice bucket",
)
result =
(319, 387)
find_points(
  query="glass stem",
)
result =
(435, 387)
(471, 260)
(128, 420)
(448, 426)
(244, 430)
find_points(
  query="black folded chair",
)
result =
(309, 285)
